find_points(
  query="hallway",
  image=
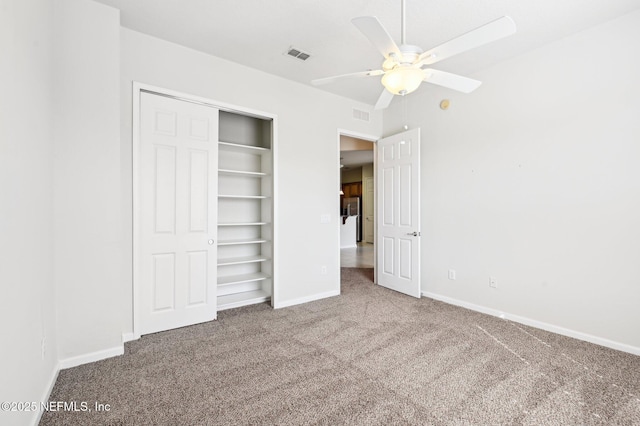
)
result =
(359, 257)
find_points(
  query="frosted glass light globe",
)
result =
(403, 80)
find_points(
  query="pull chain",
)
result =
(404, 113)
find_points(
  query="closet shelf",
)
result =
(242, 260)
(245, 278)
(242, 241)
(244, 224)
(245, 173)
(246, 197)
(237, 147)
(242, 299)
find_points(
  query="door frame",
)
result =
(137, 89)
(374, 139)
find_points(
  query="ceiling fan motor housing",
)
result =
(410, 54)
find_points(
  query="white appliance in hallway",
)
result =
(351, 206)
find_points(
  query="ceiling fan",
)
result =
(402, 70)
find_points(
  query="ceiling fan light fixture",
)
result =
(389, 64)
(402, 80)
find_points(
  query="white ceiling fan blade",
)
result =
(377, 35)
(384, 100)
(451, 81)
(492, 31)
(325, 80)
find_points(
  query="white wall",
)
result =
(367, 171)
(87, 216)
(534, 179)
(351, 175)
(27, 310)
(308, 123)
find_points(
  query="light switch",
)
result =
(325, 218)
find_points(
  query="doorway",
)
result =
(357, 202)
(396, 221)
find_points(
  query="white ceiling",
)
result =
(257, 33)
(351, 159)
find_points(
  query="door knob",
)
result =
(211, 242)
(414, 233)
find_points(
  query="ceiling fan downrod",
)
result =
(403, 18)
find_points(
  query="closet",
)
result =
(245, 210)
(203, 209)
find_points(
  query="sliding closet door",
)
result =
(177, 216)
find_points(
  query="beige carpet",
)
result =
(368, 357)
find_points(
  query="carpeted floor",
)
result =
(370, 356)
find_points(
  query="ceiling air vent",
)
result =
(358, 114)
(296, 53)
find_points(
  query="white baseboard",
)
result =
(535, 323)
(47, 393)
(90, 357)
(74, 362)
(307, 299)
(128, 337)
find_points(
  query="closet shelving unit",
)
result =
(245, 210)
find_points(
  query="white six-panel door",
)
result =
(177, 218)
(398, 216)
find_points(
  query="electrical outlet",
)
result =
(493, 283)
(452, 274)
(323, 270)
